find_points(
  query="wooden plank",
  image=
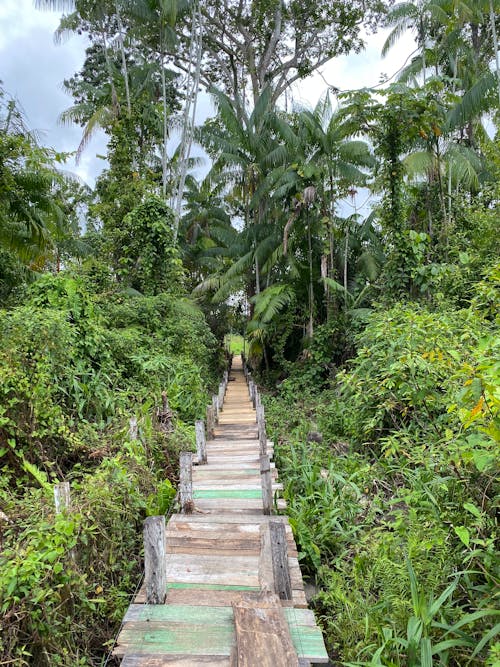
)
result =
(195, 519)
(266, 577)
(215, 596)
(155, 571)
(175, 661)
(201, 442)
(262, 634)
(279, 557)
(186, 482)
(267, 492)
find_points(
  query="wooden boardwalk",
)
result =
(216, 556)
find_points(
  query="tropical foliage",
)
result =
(373, 326)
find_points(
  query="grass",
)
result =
(236, 343)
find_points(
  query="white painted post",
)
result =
(62, 497)
(201, 443)
(155, 560)
(186, 482)
(133, 429)
(215, 406)
(261, 426)
(210, 422)
(222, 391)
(266, 484)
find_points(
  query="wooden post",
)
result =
(222, 391)
(62, 497)
(257, 402)
(155, 560)
(261, 425)
(164, 401)
(201, 443)
(186, 482)
(279, 554)
(133, 429)
(210, 422)
(266, 483)
(255, 391)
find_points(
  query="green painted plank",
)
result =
(308, 642)
(183, 629)
(212, 587)
(178, 638)
(207, 639)
(180, 613)
(205, 614)
(231, 493)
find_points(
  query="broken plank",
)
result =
(262, 634)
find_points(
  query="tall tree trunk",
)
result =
(310, 331)
(124, 59)
(346, 253)
(165, 129)
(189, 119)
(495, 46)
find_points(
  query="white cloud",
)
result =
(33, 68)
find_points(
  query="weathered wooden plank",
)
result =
(266, 577)
(170, 660)
(201, 442)
(155, 571)
(229, 505)
(266, 483)
(184, 638)
(62, 497)
(279, 557)
(262, 633)
(186, 482)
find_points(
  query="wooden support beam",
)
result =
(266, 483)
(186, 482)
(279, 555)
(261, 424)
(210, 422)
(251, 391)
(215, 407)
(62, 497)
(133, 428)
(222, 392)
(155, 560)
(201, 442)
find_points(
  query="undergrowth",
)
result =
(77, 361)
(390, 476)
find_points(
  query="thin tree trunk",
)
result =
(124, 59)
(165, 129)
(114, 95)
(346, 252)
(187, 130)
(495, 46)
(311, 286)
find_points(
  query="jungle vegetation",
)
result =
(374, 332)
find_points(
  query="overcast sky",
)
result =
(33, 68)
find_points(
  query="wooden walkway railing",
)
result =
(223, 584)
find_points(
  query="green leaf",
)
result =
(426, 652)
(472, 509)
(463, 534)
(489, 635)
